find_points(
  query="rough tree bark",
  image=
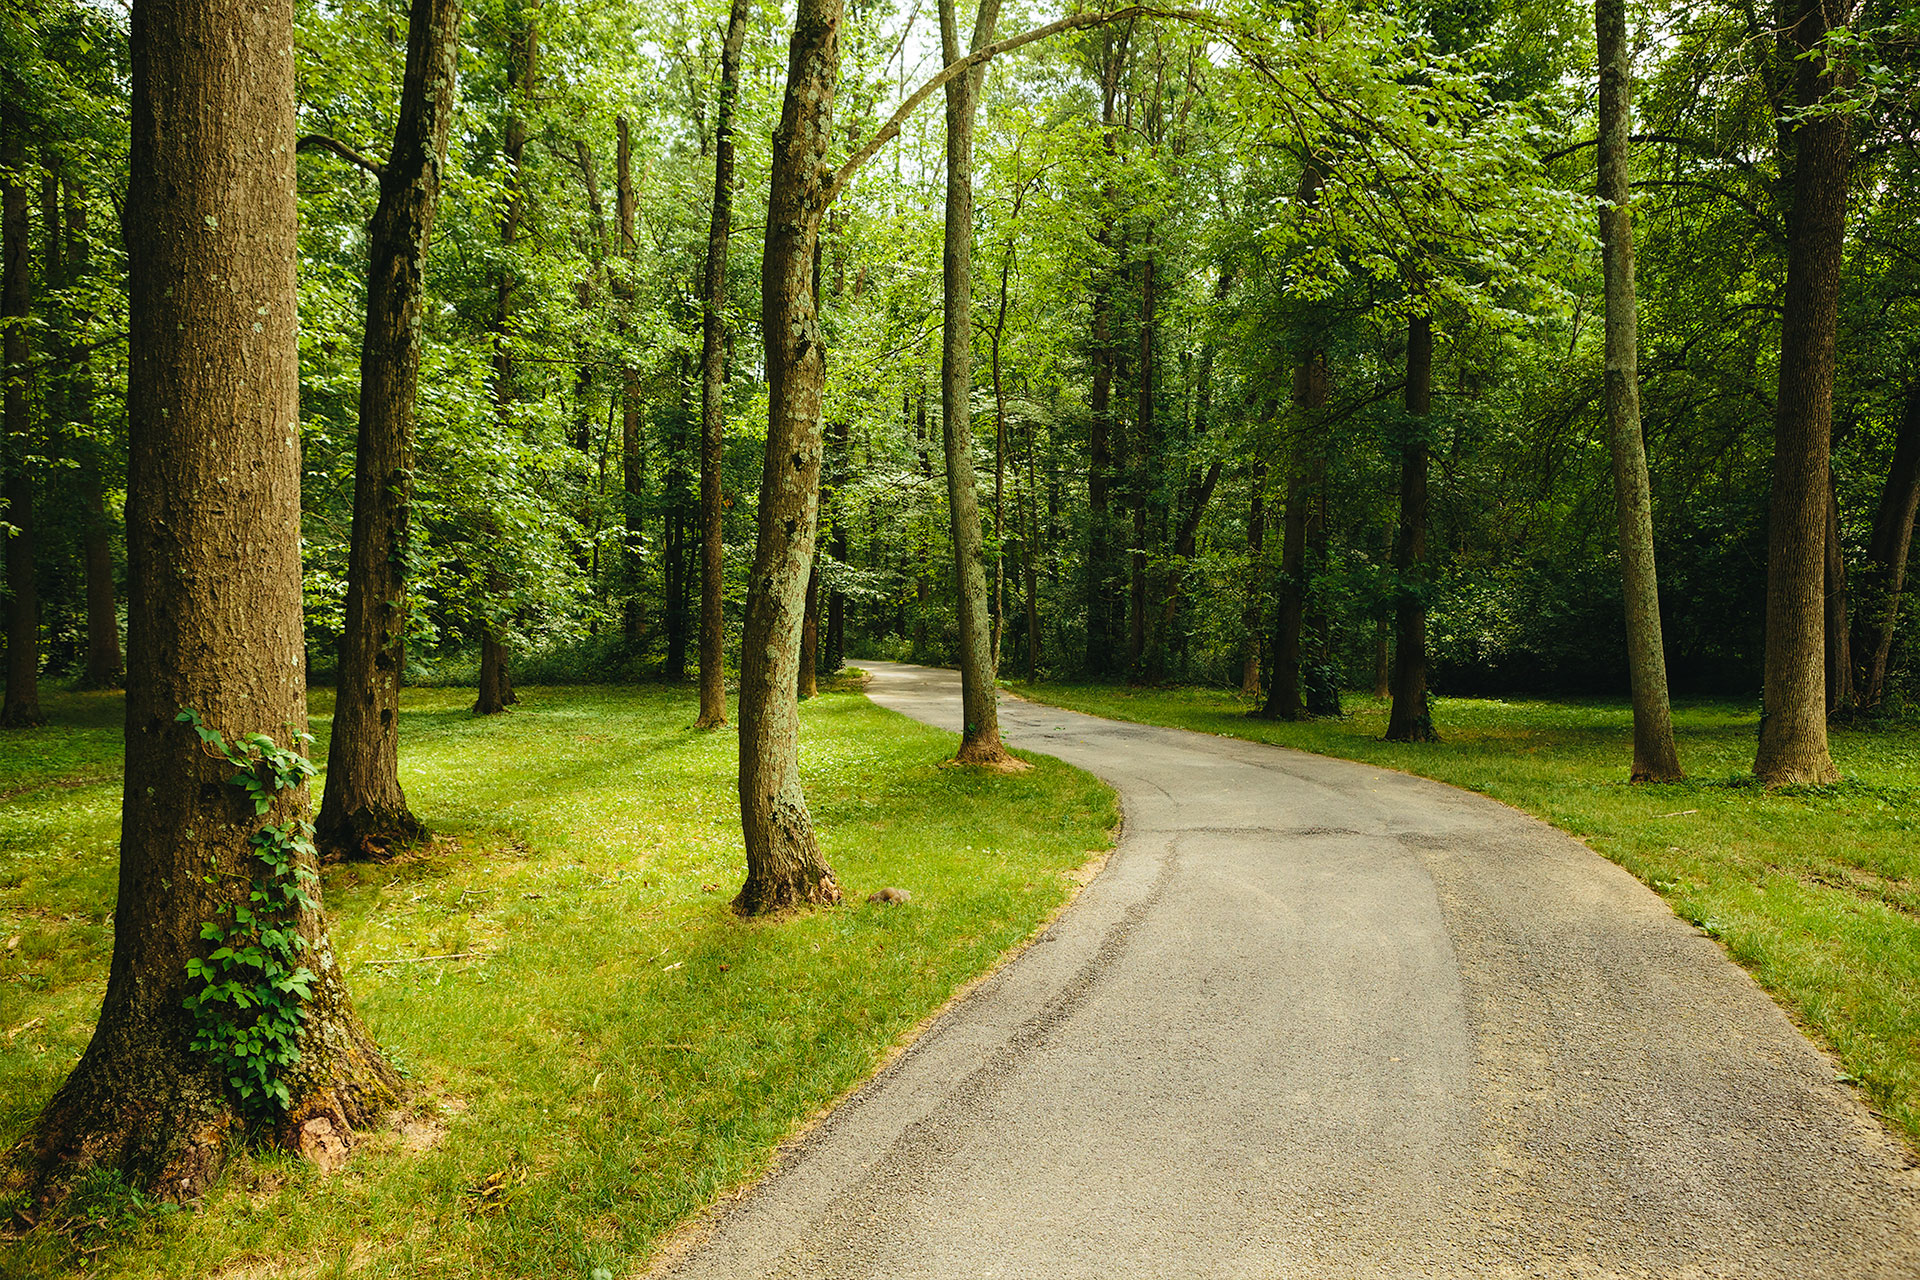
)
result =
(22, 703)
(980, 718)
(213, 533)
(713, 383)
(1793, 726)
(1883, 571)
(1655, 757)
(364, 810)
(1410, 719)
(784, 865)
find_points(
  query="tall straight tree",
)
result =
(1655, 757)
(1883, 575)
(523, 71)
(22, 703)
(980, 718)
(1793, 726)
(784, 864)
(1409, 719)
(364, 808)
(213, 535)
(632, 466)
(713, 384)
(106, 667)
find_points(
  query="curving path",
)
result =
(1319, 1019)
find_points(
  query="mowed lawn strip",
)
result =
(607, 1048)
(1815, 890)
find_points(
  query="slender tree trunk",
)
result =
(839, 551)
(1840, 699)
(1382, 658)
(1655, 757)
(1883, 571)
(105, 668)
(632, 485)
(1145, 440)
(810, 637)
(22, 704)
(1256, 546)
(1285, 700)
(523, 69)
(364, 810)
(713, 385)
(1793, 726)
(980, 721)
(1410, 719)
(784, 864)
(1102, 573)
(213, 528)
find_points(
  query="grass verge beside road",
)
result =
(597, 1047)
(1815, 890)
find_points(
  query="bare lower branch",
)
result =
(312, 141)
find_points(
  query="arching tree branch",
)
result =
(319, 141)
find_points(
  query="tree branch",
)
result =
(320, 141)
(1076, 22)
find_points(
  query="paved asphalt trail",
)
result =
(1318, 1019)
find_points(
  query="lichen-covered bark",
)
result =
(213, 522)
(364, 811)
(784, 865)
(1655, 757)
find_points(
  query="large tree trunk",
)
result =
(1410, 719)
(1655, 757)
(213, 534)
(22, 704)
(364, 810)
(784, 865)
(1793, 727)
(979, 684)
(713, 384)
(1883, 571)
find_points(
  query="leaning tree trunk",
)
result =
(713, 385)
(1655, 757)
(364, 810)
(1883, 570)
(1793, 726)
(784, 865)
(980, 716)
(1410, 719)
(22, 704)
(213, 536)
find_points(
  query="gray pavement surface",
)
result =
(1320, 1019)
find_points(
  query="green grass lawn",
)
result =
(613, 1048)
(1815, 890)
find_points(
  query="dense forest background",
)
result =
(1167, 230)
